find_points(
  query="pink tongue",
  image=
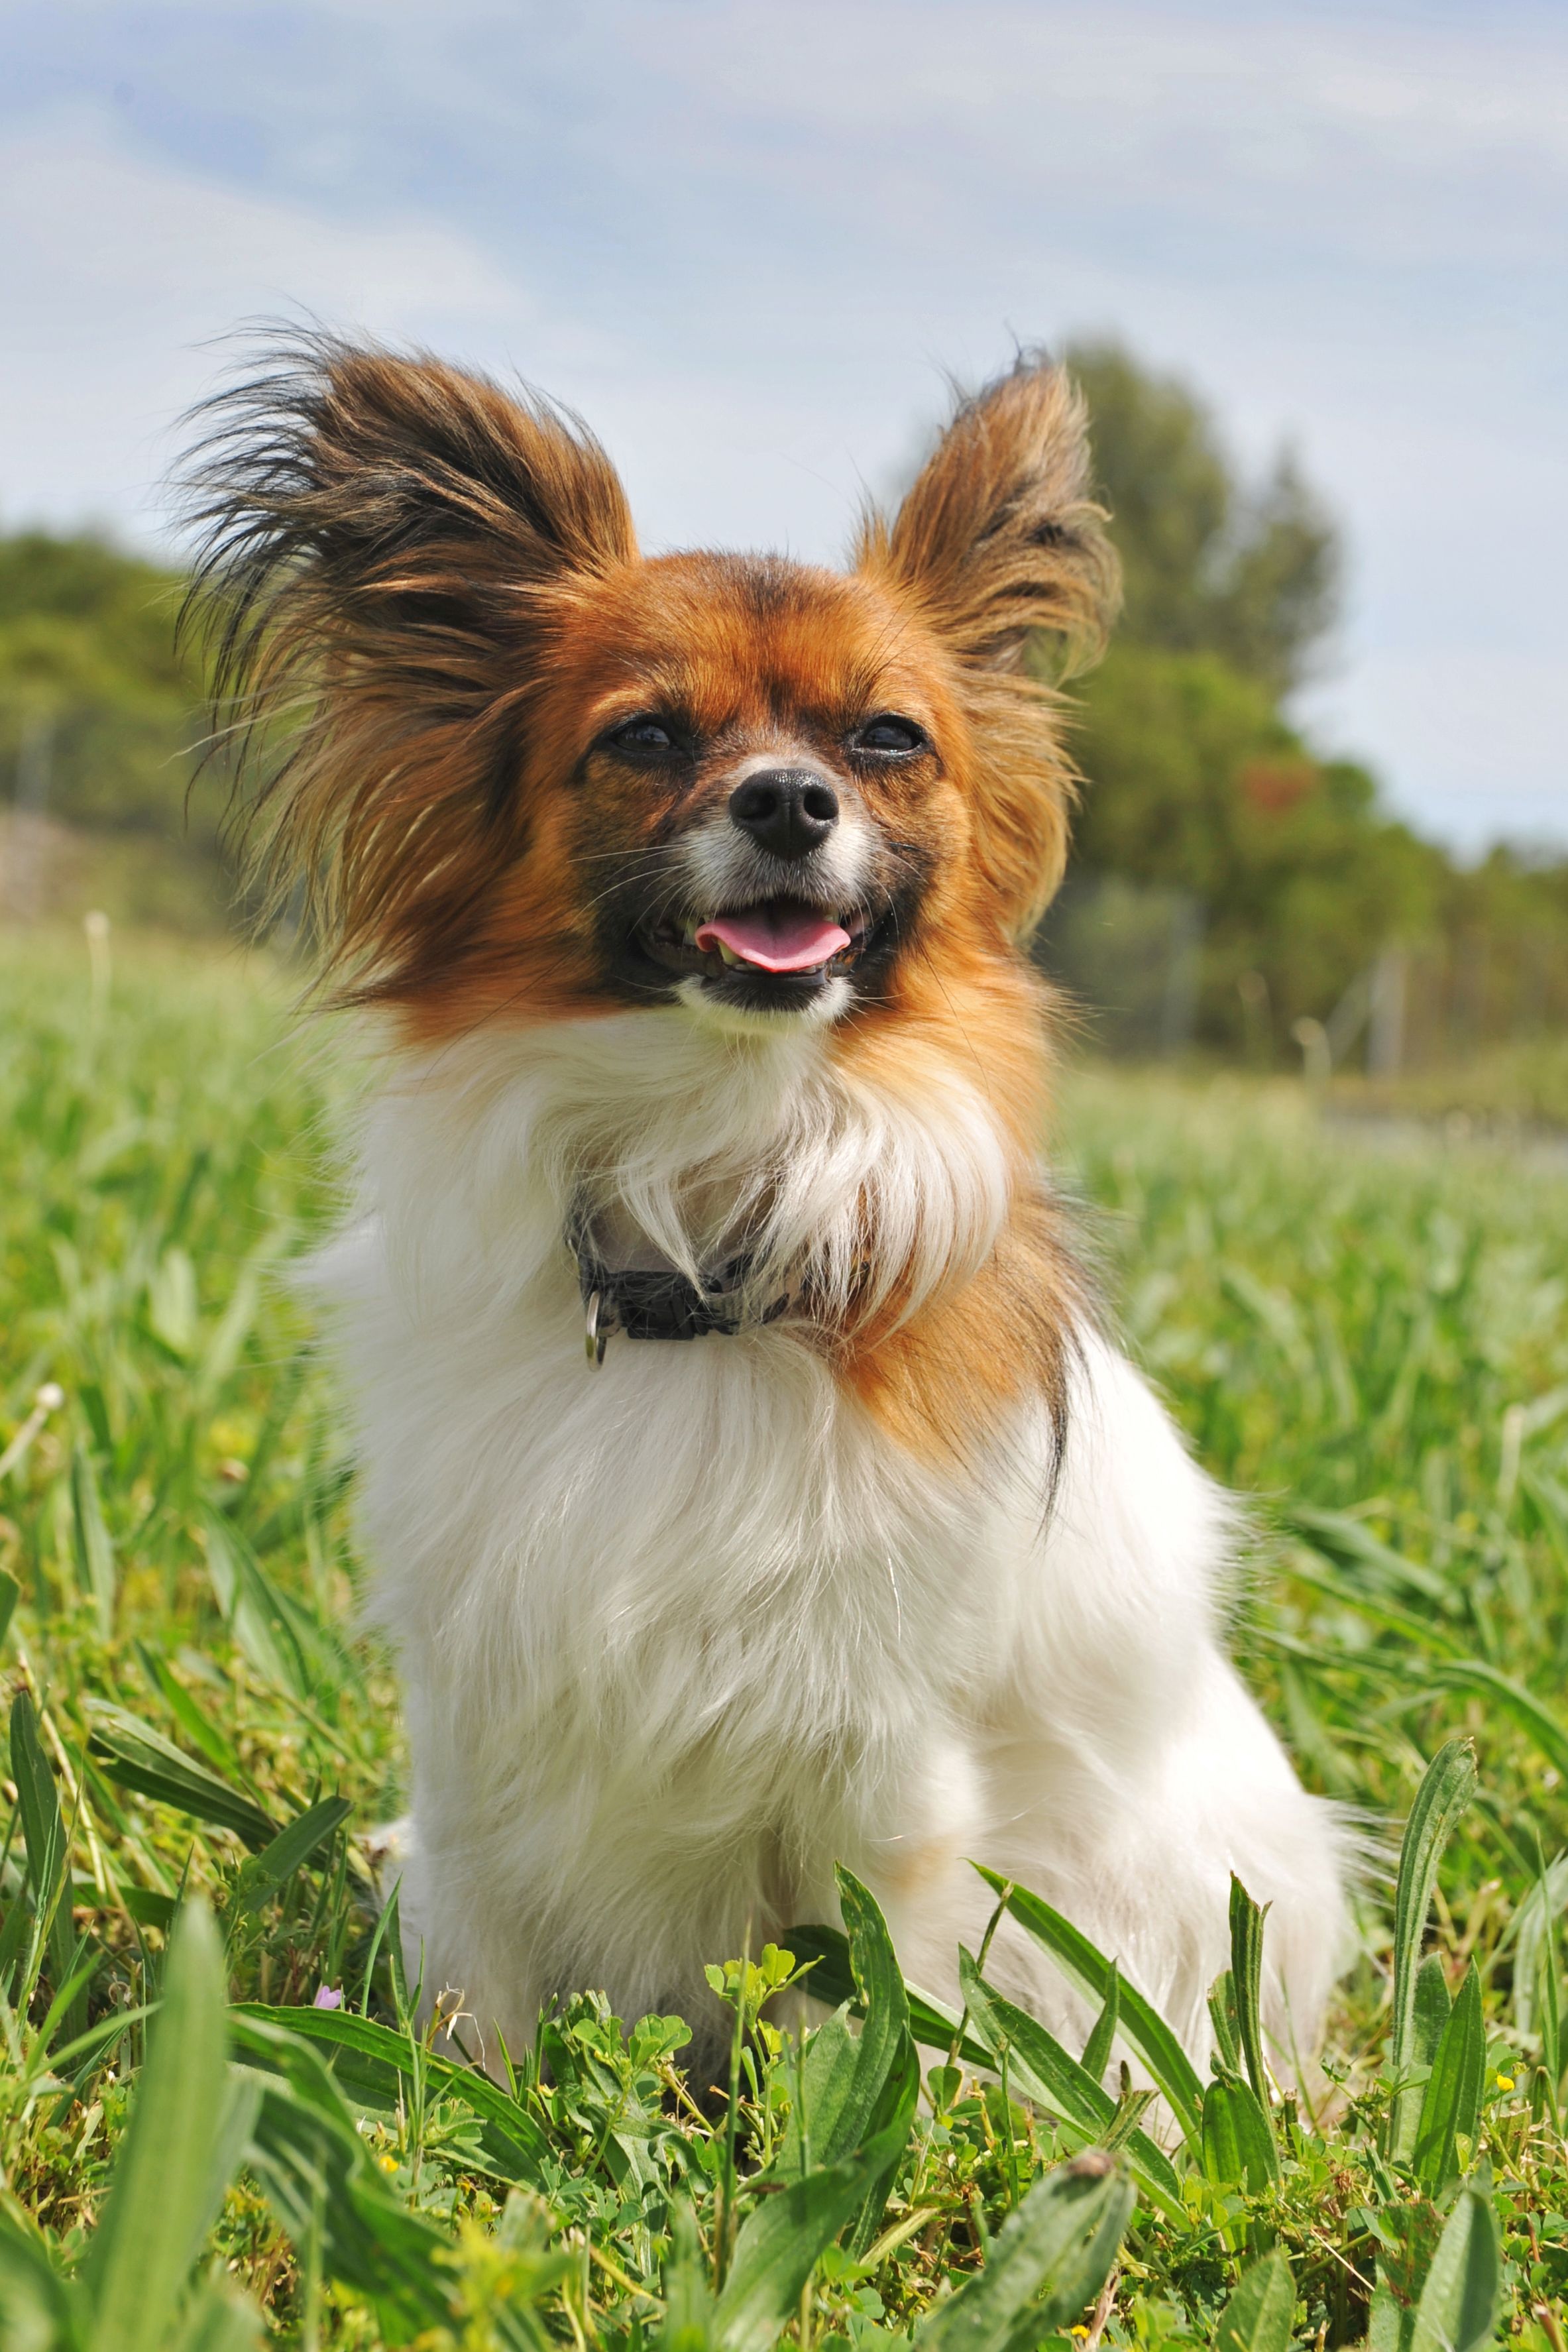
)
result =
(775, 940)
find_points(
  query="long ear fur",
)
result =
(998, 541)
(383, 539)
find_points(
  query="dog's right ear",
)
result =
(381, 541)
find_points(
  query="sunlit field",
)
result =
(1368, 1337)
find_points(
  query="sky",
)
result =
(752, 240)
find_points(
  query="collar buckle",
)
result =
(646, 1305)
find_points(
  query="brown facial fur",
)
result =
(753, 658)
(429, 592)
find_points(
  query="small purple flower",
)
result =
(327, 1999)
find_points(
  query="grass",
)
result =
(1372, 1343)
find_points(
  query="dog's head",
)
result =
(529, 774)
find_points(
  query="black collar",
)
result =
(663, 1303)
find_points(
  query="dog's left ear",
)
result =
(999, 540)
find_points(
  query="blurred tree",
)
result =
(1196, 783)
(1195, 778)
(1211, 565)
(98, 712)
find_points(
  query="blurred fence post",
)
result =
(1346, 1022)
(1385, 1024)
(27, 847)
(1253, 989)
(1131, 955)
(1317, 1057)
(97, 927)
(1179, 1009)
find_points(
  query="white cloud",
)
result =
(117, 271)
(745, 239)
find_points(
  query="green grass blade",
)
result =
(44, 1840)
(827, 2086)
(43, 1829)
(1422, 1631)
(1550, 2007)
(832, 1981)
(177, 2156)
(132, 1752)
(95, 1564)
(852, 2087)
(1535, 1719)
(1238, 2145)
(1451, 2099)
(147, 1906)
(1088, 1971)
(1449, 1670)
(317, 2177)
(218, 2322)
(1103, 2034)
(1258, 2316)
(35, 2302)
(258, 1625)
(386, 1930)
(690, 2324)
(1433, 2010)
(1247, 1984)
(1223, 2018)
(10, 1594)
(230, 1331)
(841, 2126)
(290, 1850)
(319, 2180)
(892, 2124)
(781, 2240)
(287, 1643)
(1459, 2308)
(1352, 1544)
(13, 1937)
(1040, 2069)
(374, 2067)
(1044, 2267)
(1445, 1790)
(195, 1722)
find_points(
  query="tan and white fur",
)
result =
(918, 1572)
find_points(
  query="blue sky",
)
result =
(748, 240)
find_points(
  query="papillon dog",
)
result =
(751, 1483)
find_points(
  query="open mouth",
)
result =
(780, 943)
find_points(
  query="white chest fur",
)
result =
(679, 1633)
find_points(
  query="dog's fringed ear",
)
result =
(999, 541)
(999, 536)
(381, 540)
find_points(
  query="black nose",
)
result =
(786, 811)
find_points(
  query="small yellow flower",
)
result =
(1080, 2332)
(388, 2163)
(1504, 2082)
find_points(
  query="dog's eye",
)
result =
(645, 736)
(893, 737)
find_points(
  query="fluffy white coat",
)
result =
(681, 1632)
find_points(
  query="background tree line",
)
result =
(1198, 783)
(100, 714)
(1199, 791)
